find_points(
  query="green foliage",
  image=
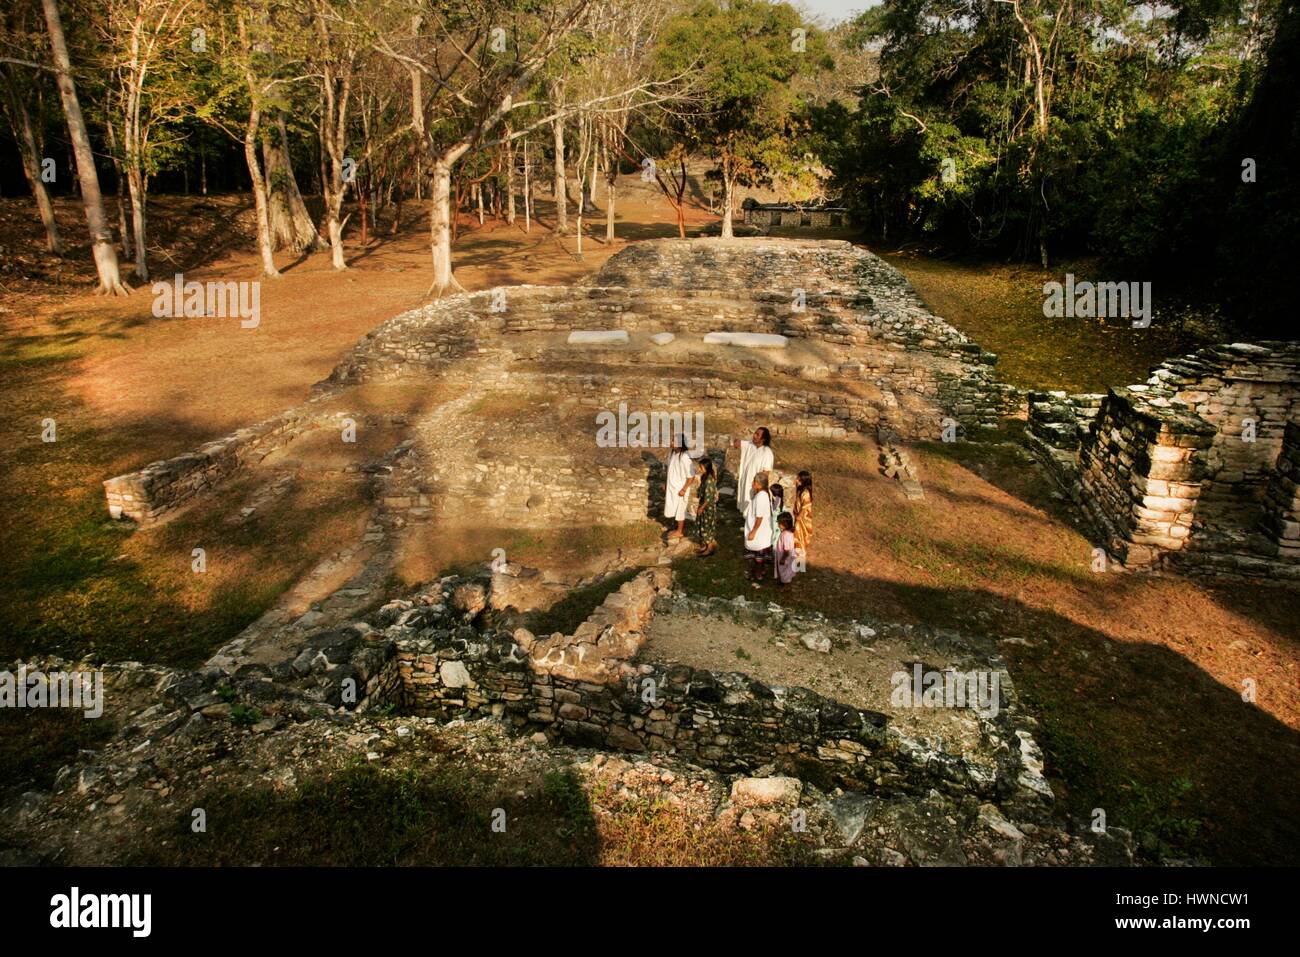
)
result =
(1138, 158)
(744, 57)
(245, 716)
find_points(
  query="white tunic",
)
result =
(753, 459)
(759, 507)
(680, 467)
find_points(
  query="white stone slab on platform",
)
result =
(749, 340)
(598, 337)
(662, 338)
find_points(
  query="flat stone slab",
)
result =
(598, 337)
(662, 338)
(749, 340)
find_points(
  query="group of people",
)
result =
(773, 534)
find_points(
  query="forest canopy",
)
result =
(1158, 139)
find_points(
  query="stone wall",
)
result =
(589, 689)
(817, 218)
(1141, 474)
(852, 299)
(526, 492)
(1188, 470)
(160, 488)
(823, 414)
(1281, 514)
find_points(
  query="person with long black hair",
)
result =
(706, 509)
(678, 485)
(803, 514)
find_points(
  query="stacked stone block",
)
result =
(1141, 474)
(1281, 518)
(1189, 470)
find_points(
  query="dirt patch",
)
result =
(854, 673)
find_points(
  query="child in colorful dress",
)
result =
(783, 551)
(803, 513)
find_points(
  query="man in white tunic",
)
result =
(755, 458)
(681, 476)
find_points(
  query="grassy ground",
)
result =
(1001, 308)
(75, 583)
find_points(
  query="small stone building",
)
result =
(1196, 469)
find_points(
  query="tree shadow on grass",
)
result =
(363, 816)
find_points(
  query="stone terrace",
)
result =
(863, 356)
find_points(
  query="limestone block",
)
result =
(598, 337)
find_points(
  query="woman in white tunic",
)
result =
(681, 476)
(755, 458)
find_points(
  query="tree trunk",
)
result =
(259, 193)
(727, 187)
(291, 225)
(21, 124)
(333, 207)
(135, 184)
(101, 236)
(440, 229)
(579, 216)
(561, 185)
(122, 226)
(510, 180)
(609, 209)
(528, 198)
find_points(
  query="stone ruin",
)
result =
(515, 379)
(816, 339)
(788, 215)
(1197, 470)
(850, 352)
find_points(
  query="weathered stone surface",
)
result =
(767, 792)
(598, 337)
(454, 675)
(747, 340)
(1192, 470)
(470, 598)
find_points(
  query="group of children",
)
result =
(774, 533)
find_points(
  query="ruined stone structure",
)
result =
(443, 653)
(591, 688)
(861, 354)
(1194, 470)
(766, 215)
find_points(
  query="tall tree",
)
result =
(142, 43)
(20, 85)
(747, 53)
(14, 85)
(290, 224)
(101, 236)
